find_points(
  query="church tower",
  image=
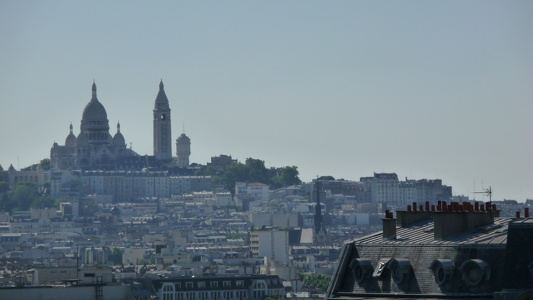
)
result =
(320, 235)
(183, 150)
(162, 134)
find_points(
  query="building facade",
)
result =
(216, 288)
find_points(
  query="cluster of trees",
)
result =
(253, 170)
(23, 196)
(315, 280)
(44, 164)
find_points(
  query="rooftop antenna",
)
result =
(487, 192)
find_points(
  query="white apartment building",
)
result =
(273, 244)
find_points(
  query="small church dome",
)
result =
(70, 141)
(118, 139)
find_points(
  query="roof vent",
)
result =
(378, 271)
(362, 269)
(400, 270)
(442, 270)
(475, 271)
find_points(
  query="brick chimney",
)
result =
(411, 216)
(460, 218)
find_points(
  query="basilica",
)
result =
(94, 148)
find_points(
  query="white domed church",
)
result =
(95, 149)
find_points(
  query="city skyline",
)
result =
(425, 90)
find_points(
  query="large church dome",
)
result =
(94, 110)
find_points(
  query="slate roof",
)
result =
(422, 233)
(416, 245)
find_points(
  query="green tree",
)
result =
(234, 172)
(276, 297)
(287, 176)
(4, 187)
(256, 170)
(45, 164)
(5, 203)
(44, 202)
(23, 195)
(116, 255)
(315, 280)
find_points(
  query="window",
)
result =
(239, 283)
(226, 283)
(214, 284)
(168, 291)
(201, 284)
(188, 285)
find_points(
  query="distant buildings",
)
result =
(125, 185)
(386, 188)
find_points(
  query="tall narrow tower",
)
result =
(183, 150)
(162, 134)
(318, 210)
(320, 236)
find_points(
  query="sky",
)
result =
(425, 89)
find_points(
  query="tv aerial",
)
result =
(487, 192)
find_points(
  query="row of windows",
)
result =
(212, 284)
(226, 295)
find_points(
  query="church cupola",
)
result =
(70, 141)
(94, 122)
(118, 139)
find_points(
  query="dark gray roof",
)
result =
(422, 233)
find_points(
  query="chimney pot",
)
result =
(518, 214)
(526, 212)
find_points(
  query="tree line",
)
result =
(253, 170)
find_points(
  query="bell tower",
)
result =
(162, 133)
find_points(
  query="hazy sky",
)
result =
(426, 89)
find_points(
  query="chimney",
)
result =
(451, 222)
(408, 217)
(389, 226)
